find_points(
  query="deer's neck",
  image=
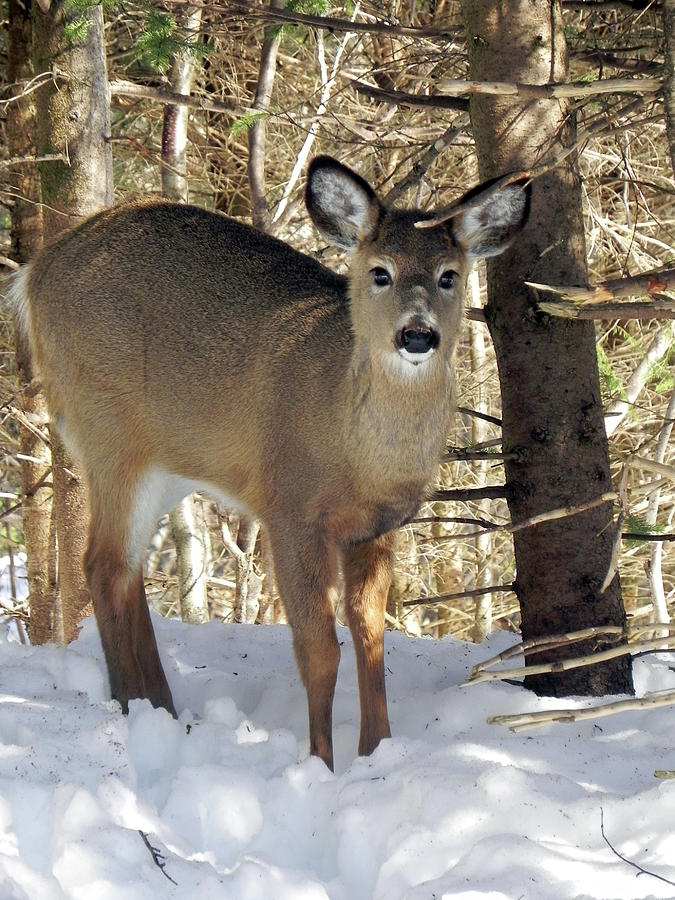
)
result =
(398, 417)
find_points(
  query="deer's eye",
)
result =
(447, 279)
(381, 277)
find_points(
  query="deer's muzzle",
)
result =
(418, 338)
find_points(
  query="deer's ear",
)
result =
(341, 204)
(492, 219)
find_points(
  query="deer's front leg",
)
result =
(367, 572)
(304, 564)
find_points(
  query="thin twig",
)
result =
(24, 160)
(467, 411)
(273, 14)
(469, 495)
(476, 592)
(403, 98)
(537, 171)
(158, 857)
(327, 85)
(641, 870)
(420, 166)
(121, 88)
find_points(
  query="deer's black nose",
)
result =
(417, 337)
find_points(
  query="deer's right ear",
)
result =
(342, 205)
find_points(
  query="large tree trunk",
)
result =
(552, 410)
(26, 241)
(73, 118)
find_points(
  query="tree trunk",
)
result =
(552, 410)
(26, 241)
(189, 535)
(669, 75)
(189, 531)
(73, 118)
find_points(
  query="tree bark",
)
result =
(26, 241)
(260, 213)
(73, 118)
(552, 410)
(188, 529)
(669, 76)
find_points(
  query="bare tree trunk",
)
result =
(187, 528)
(189, 535)
(74, 119)
(174, 130)
(669, 76)
(552, 410)
(482, 620)
(248, 583)
(26, 241)
(256, 137)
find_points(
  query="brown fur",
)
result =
(172, 340)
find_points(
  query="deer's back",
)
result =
(167, 315)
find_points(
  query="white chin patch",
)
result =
(415, 358)
(407, 365)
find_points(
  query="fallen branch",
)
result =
(550, 642)
(614, 288)
(551, 515)
(566, 665)
(522, 721)
(629, 635)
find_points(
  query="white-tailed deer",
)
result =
(180, 350)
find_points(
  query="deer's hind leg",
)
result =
(113, 564)
(367, 573)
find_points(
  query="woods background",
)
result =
(386, 88)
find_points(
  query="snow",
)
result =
(449, 807)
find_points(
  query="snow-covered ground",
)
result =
(449, 807)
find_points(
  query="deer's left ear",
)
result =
(492, 219)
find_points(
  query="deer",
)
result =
(182, 350)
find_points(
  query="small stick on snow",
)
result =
(157, 856)
(640, 869)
